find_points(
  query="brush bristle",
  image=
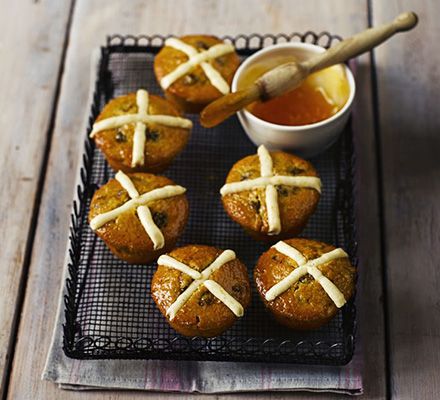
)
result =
(221, 109)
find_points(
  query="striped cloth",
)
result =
(202, 376)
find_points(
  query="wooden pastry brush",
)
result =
(288, 76)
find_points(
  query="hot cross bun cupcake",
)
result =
(271, 195)
(140, 132)
(139, 216)
(195, 70)
(201, 290)
(303, 282)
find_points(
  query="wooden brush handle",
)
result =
(361, 42)
(287, 76)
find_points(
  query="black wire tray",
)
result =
(109, 312)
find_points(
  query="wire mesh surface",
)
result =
(108, 308)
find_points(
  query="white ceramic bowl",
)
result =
(304, 140)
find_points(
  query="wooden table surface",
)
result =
(45, 49)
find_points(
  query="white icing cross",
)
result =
(141, 119)
(307, 267)
(196, 58)
(268, 180)
(140, 203)
(202, 278)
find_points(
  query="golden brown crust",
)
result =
(163, 143)
(203, 314)
(125, 236)
(194, 91)
(296, 204)
(305, 305)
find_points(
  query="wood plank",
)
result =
(30, 57)
(369, 297)
(408, 90)
(92, 20)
